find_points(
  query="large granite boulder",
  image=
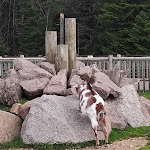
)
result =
(27, 70)
(57, 84)
(34, 88)
(56, 119)
(48, 67)
(117, 119)
(128, 104)
(24, 109)
(104, 86)
(10, 126)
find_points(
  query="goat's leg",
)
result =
(104, 128)
(96, 135)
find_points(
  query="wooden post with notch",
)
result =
(70, 40)
(61, 28)
(51, 46)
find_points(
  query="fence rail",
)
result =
(139, 67)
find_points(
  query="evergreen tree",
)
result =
(38, 16)
(115, 22)
(139, 35)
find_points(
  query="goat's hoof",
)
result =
(97, 146)
(106, 145)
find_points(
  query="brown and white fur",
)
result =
(92, 105)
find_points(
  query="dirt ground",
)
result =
(130, 144)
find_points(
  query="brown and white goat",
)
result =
(92, 105)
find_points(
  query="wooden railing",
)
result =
(139, 67)
(7, 63)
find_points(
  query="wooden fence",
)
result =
(139, 67)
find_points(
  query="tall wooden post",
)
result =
(62, 62)
(61, 28)
(51, 46)
(70, 40)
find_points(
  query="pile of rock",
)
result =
(53, 108)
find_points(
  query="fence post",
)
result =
(51, 46)
(110, 62)
(62, 62)
(70, 40)
(119, 62)
(61, 28)
(21, 56)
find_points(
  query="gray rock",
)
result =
(11, 72)
(10, 126)
(11, 90)
(2, 91)
(79, 64)
(117, 119)
(85, 73)
(75, 80)
(145, 106)
(15, 108)
(104, 86)
(130, 81)
(57, 120)
(94, 68)
(24, 109)
(48, 67)
(27, 70)
(128, 104)
(57, 84)
(35, 87)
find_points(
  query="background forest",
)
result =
(103, 26)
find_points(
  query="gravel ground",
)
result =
(130, 144)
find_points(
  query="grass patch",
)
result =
(146, 94)
(116, 134)
(129, 132)
(4, 108)
(23, 100)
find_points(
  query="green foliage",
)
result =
(123, 28)
(103, 26)
(3, 50)
(32, 31)
(139, 36)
